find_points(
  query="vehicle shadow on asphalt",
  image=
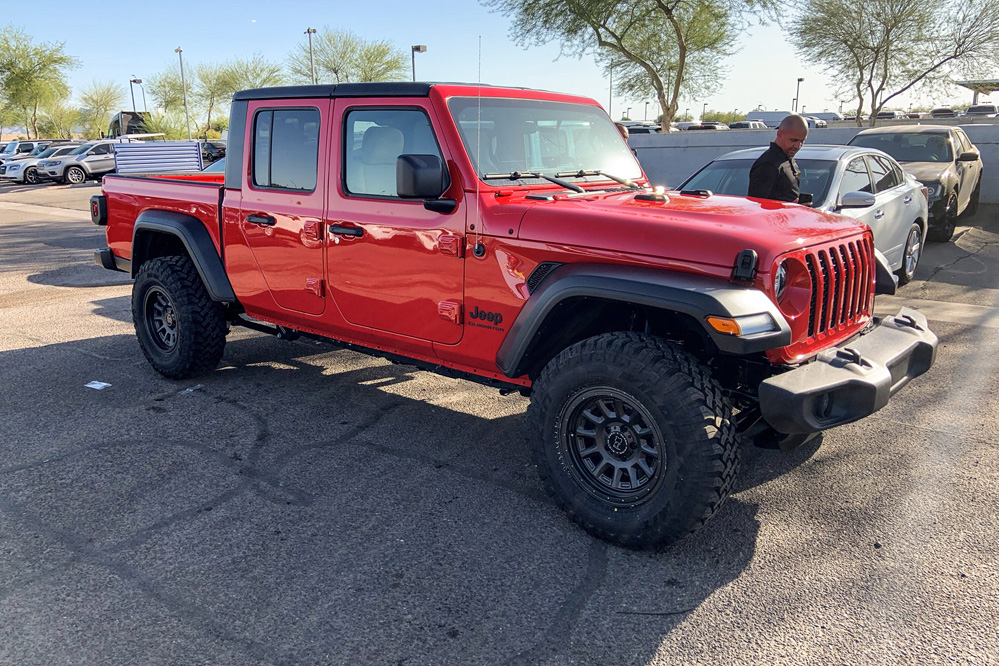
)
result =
(384, 514)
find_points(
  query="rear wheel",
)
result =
(911, 254)
(75, 175)
(634, 439)
(181, 330)
(943, 230)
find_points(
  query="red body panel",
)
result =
(410, 283)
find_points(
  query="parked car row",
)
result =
(73, 162)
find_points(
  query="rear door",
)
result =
(282, 200)
(393, 265)
(99, 159)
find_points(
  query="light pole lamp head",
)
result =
(135, 80)
(420, 48)
(178, 50)
(800, 79)
(310, 31)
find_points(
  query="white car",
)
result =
(91, 160)
(26, 170)
(862, 183)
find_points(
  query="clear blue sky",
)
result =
(114, 41)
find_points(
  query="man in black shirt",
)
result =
(775, 174)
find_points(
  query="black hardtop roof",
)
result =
(379, 89)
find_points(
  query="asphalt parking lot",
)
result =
(308, 505)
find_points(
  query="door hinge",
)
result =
(312, 230)
(450, 311)
(450, 244)
(314, 286)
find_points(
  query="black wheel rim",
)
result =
(30, 177)
(161, 319)
(615, 447)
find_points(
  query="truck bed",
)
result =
(189, 193)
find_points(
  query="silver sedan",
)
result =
(862, 183)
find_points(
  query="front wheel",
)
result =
(75, 175)
(181, 330)
(910, 258)
(31, 176)
(634, 439)
(943, 231)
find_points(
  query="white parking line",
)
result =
(954, 313)
(46, 211)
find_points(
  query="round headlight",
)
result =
(780, 280)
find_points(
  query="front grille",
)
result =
(842, 278)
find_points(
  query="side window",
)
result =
(373, 141)
(856, 178)
(884, 176)
(101, 149)
(963, 143)
(286, 149)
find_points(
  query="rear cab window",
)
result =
(285, 149)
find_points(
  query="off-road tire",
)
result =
(910, 255)
(664, 421)
(944, 230)
(75, 175)
(181, 330)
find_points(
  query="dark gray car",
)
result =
(940, 157)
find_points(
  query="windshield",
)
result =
(732, 177)
(503, 136)
(9, 148)
(921, 147)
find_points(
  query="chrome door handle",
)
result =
(907, 200)
(878, 214)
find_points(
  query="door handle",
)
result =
(261, 219)
(337, 230)
(878, 214)
(907, 200)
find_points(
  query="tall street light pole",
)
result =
(797, 92)
(312, 63)
(180, 53)
(138, 81)
(419, 48)
(704, 110)
(646, 112)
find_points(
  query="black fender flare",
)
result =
(196, 240)
(694, 295)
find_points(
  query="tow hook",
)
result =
(907, 320)
(851, 355)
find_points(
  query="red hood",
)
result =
(708, 230)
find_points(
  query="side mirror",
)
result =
(805, 198)
(969, 156)
(856, 200)
(420, 177)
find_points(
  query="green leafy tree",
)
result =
(882, 48)
(166, 90)
(253, 73)
(100, 101)
(31, 75)
(343, 57)
(171, 124)
(212, 88)
(724, 116)
(657, 48)
(60, 120)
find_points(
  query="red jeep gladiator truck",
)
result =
(510, 237)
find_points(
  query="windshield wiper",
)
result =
(517, 175)
(597, 172)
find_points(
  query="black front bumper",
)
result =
(847, 383)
